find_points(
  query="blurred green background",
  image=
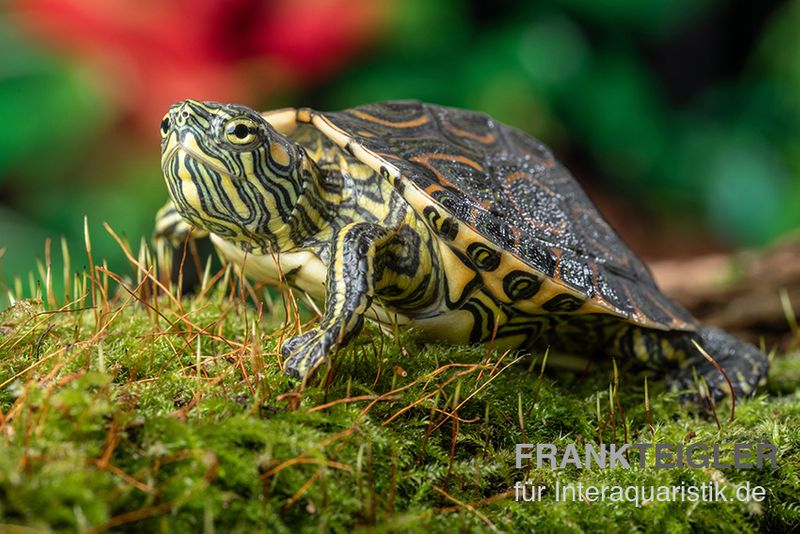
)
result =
(680, 117)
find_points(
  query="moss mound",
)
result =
(166, 413)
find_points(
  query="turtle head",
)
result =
(229, 172)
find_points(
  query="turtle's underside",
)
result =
(428, 217)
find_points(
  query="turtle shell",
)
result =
(508, 188)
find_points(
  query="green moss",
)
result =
(117, 429)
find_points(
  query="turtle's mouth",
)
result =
(188, 146)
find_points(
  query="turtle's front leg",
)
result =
(352, 273)
(172, 227)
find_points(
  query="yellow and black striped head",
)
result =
(229, 172)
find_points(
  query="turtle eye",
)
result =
(241, 131)
(165, 125)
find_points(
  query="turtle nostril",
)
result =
(184, 114)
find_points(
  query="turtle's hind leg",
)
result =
(744, 365)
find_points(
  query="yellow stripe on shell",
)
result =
(458, 276)
(283, 120)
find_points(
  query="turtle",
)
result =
(422, 216)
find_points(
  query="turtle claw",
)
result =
(744, 365)
(304, 353)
